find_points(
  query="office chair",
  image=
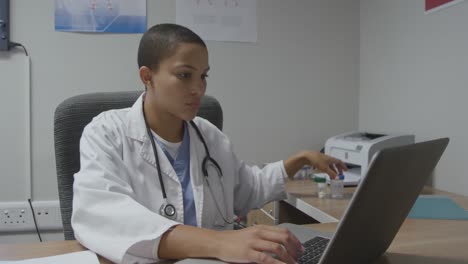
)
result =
(73, 114)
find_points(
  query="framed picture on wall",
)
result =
(100, 16)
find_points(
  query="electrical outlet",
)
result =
(48, 215)
(18, 217)
(15, 216)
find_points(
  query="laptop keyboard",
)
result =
(314, 249)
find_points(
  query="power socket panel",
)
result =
(48, 215)
(15, 217)
(18, 216)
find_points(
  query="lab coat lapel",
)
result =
(136, 130)
(147, 154)
(197, 153)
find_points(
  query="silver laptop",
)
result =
(378, 208)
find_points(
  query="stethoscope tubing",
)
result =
(205, 162)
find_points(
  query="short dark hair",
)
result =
(161, 41)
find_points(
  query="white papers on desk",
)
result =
(81, 257)
(352, 176)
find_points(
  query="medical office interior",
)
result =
(318, 69)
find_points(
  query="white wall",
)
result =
(292, 90)
(13, 86)
(413, 78)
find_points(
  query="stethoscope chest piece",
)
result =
(168, 210)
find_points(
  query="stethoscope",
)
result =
(167, 209)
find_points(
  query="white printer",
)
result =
(358, 148)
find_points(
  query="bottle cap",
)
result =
(320, 179)
(341, 176)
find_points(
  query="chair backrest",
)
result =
(73, 114)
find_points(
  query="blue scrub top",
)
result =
(181, 166)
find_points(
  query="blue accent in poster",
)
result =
(104, 16)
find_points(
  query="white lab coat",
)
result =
(117, 194)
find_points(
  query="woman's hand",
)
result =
(325, 163)
(259, 244)
(318, 160)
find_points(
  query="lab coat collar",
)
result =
(136, 130)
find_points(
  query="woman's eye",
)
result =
(184, 76)
(204, 76)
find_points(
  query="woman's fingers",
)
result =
(274, 248)
(340, 166)
(284, 237)
(260, 244)
(331, 172)
(262, 257)
(335, 166)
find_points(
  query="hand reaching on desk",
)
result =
(253, 244)
(257, 243)
(317, 160)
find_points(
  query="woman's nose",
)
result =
(199, 88)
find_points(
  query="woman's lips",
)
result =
(194, 104)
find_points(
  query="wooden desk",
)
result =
(423, 241)
(418, 241)
(301, 196)
(39, 250)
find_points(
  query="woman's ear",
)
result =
(145, 75)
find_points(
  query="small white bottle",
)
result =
(337, 187)
(321, 184)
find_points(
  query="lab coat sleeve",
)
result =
(106, 218)
(257, 186)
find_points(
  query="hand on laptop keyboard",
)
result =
(260, 244)
(314, 249)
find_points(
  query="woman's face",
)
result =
(179, 83)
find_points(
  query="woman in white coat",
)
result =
(144, 192)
